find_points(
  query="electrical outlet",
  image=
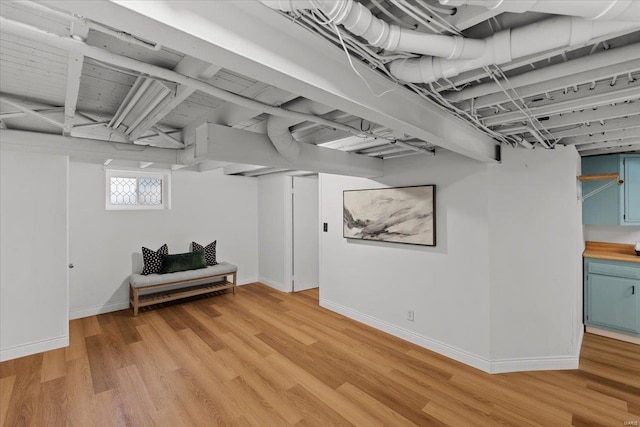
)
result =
(410, 316)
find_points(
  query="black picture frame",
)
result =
(404, 215)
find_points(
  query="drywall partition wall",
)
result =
(274, 231)
(34, 310)
(204, 207)
(446, 286)
(612, 234)
(535, 235)
(501, 291)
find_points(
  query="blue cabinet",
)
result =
(612, 295)
(616, 205)
(631, 187)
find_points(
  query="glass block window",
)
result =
(137, 190)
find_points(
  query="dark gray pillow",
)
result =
(209, 251)
(183, 262)
(153, 259)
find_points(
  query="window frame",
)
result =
(164, 176)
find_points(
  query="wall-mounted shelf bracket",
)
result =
(613, 179)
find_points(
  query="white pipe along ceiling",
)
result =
(360, 21)
(452, 55)
(311, 81)
(447, 54)
(507, 45)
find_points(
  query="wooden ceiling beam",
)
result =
(274, 50)
(29, 111)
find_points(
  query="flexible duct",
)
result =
(507, 45)
(359, 20)
(278, 127)
(621, 10)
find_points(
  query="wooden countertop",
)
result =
(611, 251)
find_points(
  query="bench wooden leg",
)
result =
(234, 283)
(135, 301)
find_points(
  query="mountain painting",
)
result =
(400, 215)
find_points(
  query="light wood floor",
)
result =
(263, 358)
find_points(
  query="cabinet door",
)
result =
(631, 212)
(613, 302)
(602, 208)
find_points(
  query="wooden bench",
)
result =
(157, 288)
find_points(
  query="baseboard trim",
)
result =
(272, 283)
(33, 348)
(546, 363)
(98, 309)
(614, 335)
(580, 339)
(490, 366)
(452, 352)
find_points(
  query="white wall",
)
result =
(508, 258)
(33, 254)
(612, 234)
(205, 207)
(447, 285)
(536, 242)
(274, 228)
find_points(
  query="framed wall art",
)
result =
(399, 214)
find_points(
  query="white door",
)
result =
(306, 228)
(34, 307)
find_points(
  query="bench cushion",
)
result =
(138, 280)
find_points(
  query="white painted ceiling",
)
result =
(584, 95)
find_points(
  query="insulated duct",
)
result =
(620, 10)
(507, 45)
(359, 20)
(278, 127)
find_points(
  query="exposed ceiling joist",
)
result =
(302, 63)
(74, 71)
(594, 91)
(230, 114)
(609, 144)
(597, 127)
(75, 61)
(601, 137)
(527, 61)
(605, 112)
(215, 142)
(630, 148)
(188, 66)
(29, 111)
(616, 96)
(169, 141)
(467, 16)
(585, 69)
(15, 114)
(84, 149)
(548, 86)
